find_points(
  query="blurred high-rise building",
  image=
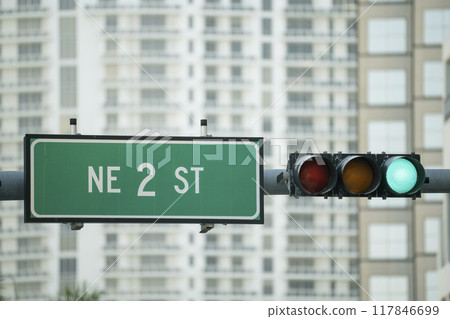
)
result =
(444, 239)
(400, 101)
(285, 70)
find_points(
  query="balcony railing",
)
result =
(349, 7)
(326, 57)
(30, 8)
(297, 32)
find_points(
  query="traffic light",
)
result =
(355, 175)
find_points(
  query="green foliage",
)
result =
(80, 294)
(2, 298)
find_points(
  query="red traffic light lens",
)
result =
(314, 177)
(358, 175)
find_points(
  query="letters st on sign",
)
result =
(82, 178)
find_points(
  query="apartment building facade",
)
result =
(400, 94)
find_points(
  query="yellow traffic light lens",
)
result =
(358, 175)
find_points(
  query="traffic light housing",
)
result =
(355, 175)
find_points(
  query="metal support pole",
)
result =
(204, 228)
(436, 181)
(275, 182)
(12, 185)
(73, 131)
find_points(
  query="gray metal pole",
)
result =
(275, 182)
(12, 185)
(437, 181)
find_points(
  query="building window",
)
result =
(68, 239)
(68, 267)
(67, 38)
(387, 136)
(68, 82)
(266, 51)
(267, 287)
(267, 264)
(29, 51)
(66, 4)
(236, 49)
(153, 22)
(388, 241)
(111, 240)
(266, 5)
(29, 75)
(153, 47)
(431, 286)
(266, 75)
(267, 126)
(386, 87)
(152, 96)
(299, 50)
(267, 26)
(436, 25)
(431, 235)
(27, 26)
(300, 287)
(432, 131)
(386, 36)
(267, 242)
(433, 77)
(27, 124)
(389, 287)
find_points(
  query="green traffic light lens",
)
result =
(401, 176)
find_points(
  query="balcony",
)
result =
(305, 59)
(309, 109)
(311, 294)
(141, 249)
(348, 9)
(143, 7)
(313, 249)
(34, 60)
(232, 248)
(233, 57)
(320, 273)
(229, 108)
(24, 231)
(28, 276)
(24, 11)
(21, 37)
(215, 293)
(24, 86)
(234, 33)
(307, 229)
(154, 271)
(309, 132)
(230, 9)
(24, 254)
(311, 35)
(141, 33)
(307, 84)
(32, 109)
(142, 294)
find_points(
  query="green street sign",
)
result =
(81, 178)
